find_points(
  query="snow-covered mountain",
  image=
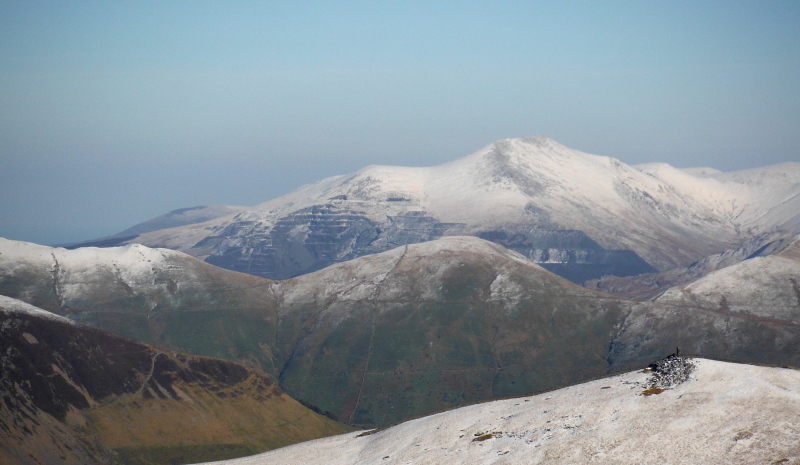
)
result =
(429, 326)
(579, 215)
(723, 413)
(766, 286)
(59, 279)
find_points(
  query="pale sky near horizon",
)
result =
(112, 113)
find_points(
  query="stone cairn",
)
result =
(669, 372)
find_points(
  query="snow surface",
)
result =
(183, 216)
(699, 171)
(724, 413)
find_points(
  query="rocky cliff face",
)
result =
(75, 394)
(313, 238)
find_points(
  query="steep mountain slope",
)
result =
(75, 394)
(749, 311)
(724, 413)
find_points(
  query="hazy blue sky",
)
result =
(114, 112)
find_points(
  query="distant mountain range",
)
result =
(580, 216)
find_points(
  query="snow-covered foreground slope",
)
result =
(724, 413)
(578, 214)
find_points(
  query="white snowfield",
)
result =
(670, 217)
(725, 413)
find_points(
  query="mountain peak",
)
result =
(538, 141)
(523, 151)
(541, 140)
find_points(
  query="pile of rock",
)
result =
(669, 372)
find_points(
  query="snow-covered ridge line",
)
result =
(12, 306)
(106, 274)
(86, 255)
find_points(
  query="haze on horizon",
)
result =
(113, 113)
